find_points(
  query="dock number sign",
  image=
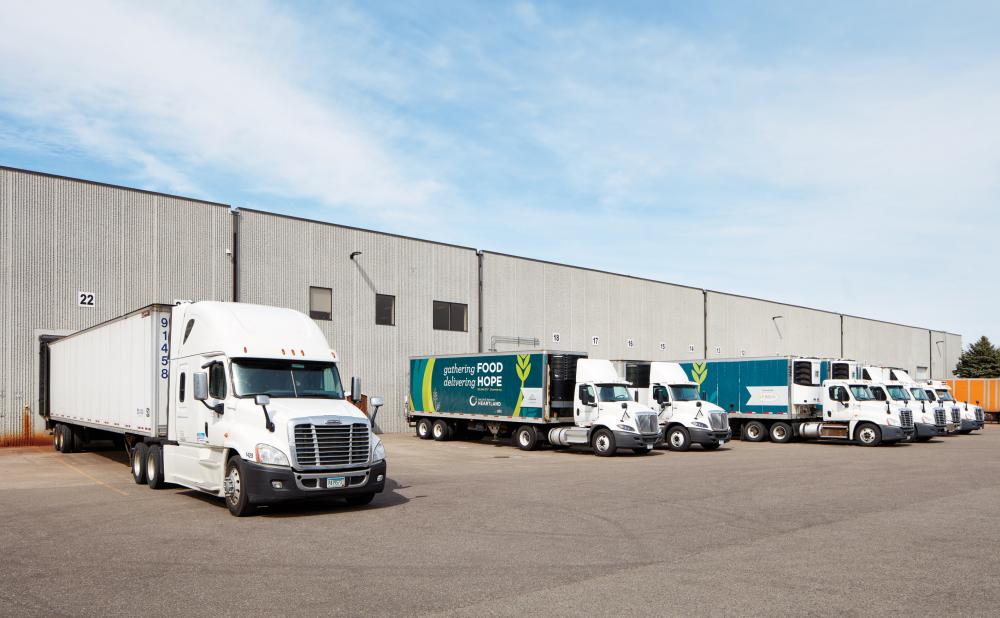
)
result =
(85, 299)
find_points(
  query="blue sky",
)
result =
(838, 155)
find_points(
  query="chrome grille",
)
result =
(906, 418)
(719, 421)
(979, 415)
(939, 418)
(647, 423)
(956, 416)
(325, 446)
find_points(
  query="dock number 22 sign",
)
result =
(85, 299)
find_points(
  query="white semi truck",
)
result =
(970, 418)
(685, 417)
(564, 399)
(240, 401)
(925, 395)
(929, 420)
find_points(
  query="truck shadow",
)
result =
(389, 497)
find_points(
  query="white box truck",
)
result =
(241, 401)
(685, 417)
(532, 397)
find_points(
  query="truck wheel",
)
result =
(754, 431)
(360, 499)
(154, 467)
(55, 437)
(66, 439)
(868, 434)
(139, 463)
(237, 498)
(604, 443)
(678, 439)
(526, 438)
(424, 428)
(441, 431)
(781, 433)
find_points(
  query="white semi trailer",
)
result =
(240, 401)
(685, 417)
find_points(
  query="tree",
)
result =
(981, 360)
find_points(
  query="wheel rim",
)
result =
(779, 432)
(136, 465)
(753, 431)
(603, 442)
(867, 435)
(438, 431)
(677, 438)
(234, 482)
(59, 439)
(422, 428)
(151, 466)
(524, 438)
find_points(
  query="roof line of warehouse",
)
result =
(453, 245)
(355, 228)
(112, 186)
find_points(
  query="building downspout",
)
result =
(704, 322)
(841, 335)
(479, 302)
(236, 254)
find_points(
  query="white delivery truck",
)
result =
(532, 397)
(971, 418)
(239, 401)
(685, 417)
(928, 420)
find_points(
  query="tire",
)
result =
(139, 463)
(526, 438)
(754, 431)
(440, 431)
(711, 447)
(154, 467)
(603, 442)
(424, 428)
(781, 433)
(360, 499)
(678, 439)
(640, 451)
(237, 498)
(55, 437)
(868, 434)
(66, 440)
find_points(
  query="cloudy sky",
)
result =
(838, 155)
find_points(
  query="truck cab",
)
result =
(970, 418)
(851, 413)
(258, 412)
(685, 417)
(928, 421)
(604, 407)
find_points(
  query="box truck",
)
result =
(684, 416)
(240, 401)
(983, 392)
(564, 399)
(782, 397)
(929, 420)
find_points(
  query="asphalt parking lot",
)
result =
(479, 529)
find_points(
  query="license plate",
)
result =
(335, 481)
(721, 442)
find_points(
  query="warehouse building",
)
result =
(75, 253)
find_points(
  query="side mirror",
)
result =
(377, 402)
(262, 400)
(355, 389)
(199, 385)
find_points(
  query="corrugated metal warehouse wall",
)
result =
(529, 298)
(281, 257)
(892, 345)
(741, 326)
(62, 237)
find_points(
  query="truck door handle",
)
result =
(206, 430)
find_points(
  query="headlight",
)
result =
(699, 424)
(267, 454)
(378, 451)
(625, 427)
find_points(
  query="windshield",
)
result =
(930, 395)
(685, 392)
(944, 395)
(861, 392)
(919, 394)
(898, 393)
(286, 379)
(613, 392)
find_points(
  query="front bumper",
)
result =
(892, 433)
(969, 425)
(926, 430)
(295, 485)
(709, 436)
(627, 439)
